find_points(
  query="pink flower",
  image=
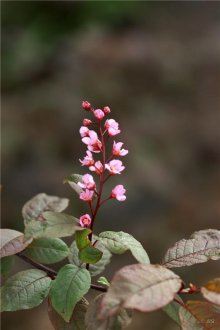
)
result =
(117, 151)
(85, 220)
(86, 195)
(119, 193)
(92, 142)
(84, 131)
(115, 167)
(112, 127)
(87, 122)
(87, 182)
(86, 105)
(99, 114)
(88, 160)
(106, 110)
(97, 167)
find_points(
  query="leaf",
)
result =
(53, 225)
(70, 285)
(203, 246)
(40, 203)
(12, 242)
(172, 310)
(207, 234)
(199, 315)
(142, 287)
(82, 239)
(6, 265)
(94, 269)
(25, 290)
(211, 291)
(103, 280)
(72, 180)
(90, 255)
(116, 322)
(47, 250)
(87, 253)
(120, 242)
(77, 321)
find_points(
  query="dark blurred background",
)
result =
(157, 65)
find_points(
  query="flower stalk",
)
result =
(96, 141)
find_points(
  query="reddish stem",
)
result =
(105, 200)
(179, 302)
(101, 182)
(106, 179)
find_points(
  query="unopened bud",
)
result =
(99, 114)
(87, 122)
(106, 110)
(86, 105)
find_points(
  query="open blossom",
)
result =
(87, 182)
(117, 151)
(115, 166)
(97, 167)
(92, 141)
(112, 127)
(88, 159)
(99, 114)
(85, 220)
(84, 131)
(87, 195)
(119, 193)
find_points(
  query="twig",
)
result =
(52, 273)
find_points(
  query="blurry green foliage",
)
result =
(33, 30)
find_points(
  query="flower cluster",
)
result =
(95, 133)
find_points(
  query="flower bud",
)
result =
(87, 122)
(86, 105)
(99, 114)
(106, 110)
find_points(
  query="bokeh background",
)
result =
(157, 65)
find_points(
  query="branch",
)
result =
(52, 273)
(98, 287)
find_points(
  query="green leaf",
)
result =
(120, 242)
(116, 322)
(12, 242)
(70, 285)
(199, 315)
(47, 250)
(25, 290)
(203, 246)
(73, 180)
(77, 321)
(103, 280)
(211, 291)
(134, 286)
(82, 239)
(90, 255)
(6, 265)
(172, 310)
(53, 225)
(40, 203)
(94, 269)
(87, 253)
